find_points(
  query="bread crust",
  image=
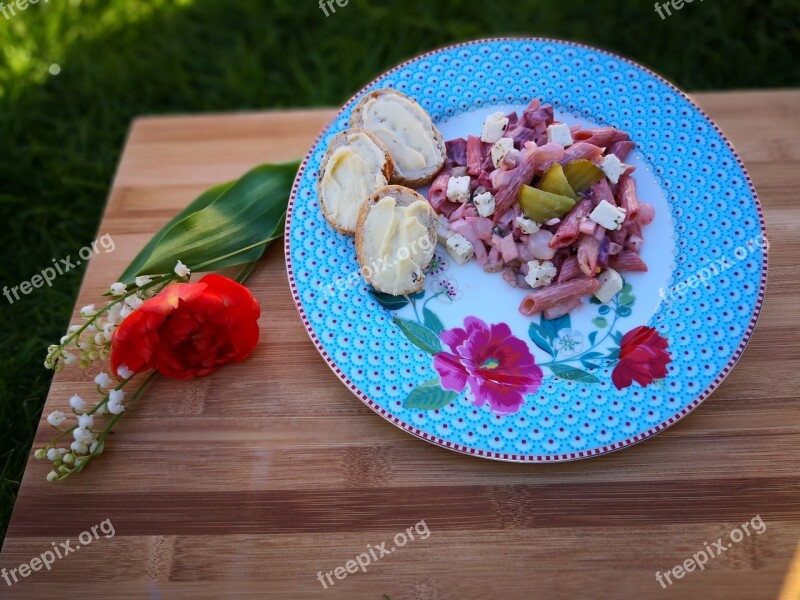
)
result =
(339, 140)
(357, 120)
(403, 197)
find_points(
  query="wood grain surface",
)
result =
(248, 483)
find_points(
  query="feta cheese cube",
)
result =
(540, 273)
(458, 189)
(526, 225)
(494, 127)
(500, 148)
(459, 248)
(613, 167)
(485, 204)
(607, 215)
(559, 133)
(610, 284)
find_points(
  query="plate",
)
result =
(589, 378)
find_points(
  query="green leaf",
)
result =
(589, 365)
(627, 288)
(624, 311)
(536, 334)
(232, 229)
(198, 204)
(573, 374)
(387, 300)
(431, 321)
(430, 396)
(600, 322)
(419, 335)
(592, 337)
(603, 310)
(627, 299)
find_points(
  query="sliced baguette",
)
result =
(400, 270)
(341, 204)
(415, 144)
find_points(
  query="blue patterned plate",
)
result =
(457, 364)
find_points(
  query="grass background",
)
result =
(62, 134)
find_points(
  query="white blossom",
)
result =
(103, 380)
(85, 421)
(88, 311)
(143, 280)
(77, 402)
(126, 310)
(79, 447)
(56, 418)
(181, 270)
(115, 408)
(133, 301)
(124, 372)
(118, 288)
(84, 436)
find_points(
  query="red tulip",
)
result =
(643, 357)
(188, 329)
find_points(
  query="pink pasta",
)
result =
(572, 244)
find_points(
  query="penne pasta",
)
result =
(580, 150)
(553, 295)
(600, 136)
(474, 154)
(621, 149)
(627, 260)
(569, 229)
(628, 199)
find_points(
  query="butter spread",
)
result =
(352, 173)
(397, 243)
(405, 128)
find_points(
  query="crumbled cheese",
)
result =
(526, 225)
(494, 127)
(459, 248)
(607, 215)
(485, 204)
(458, 189)
(540, 273)
(613, 167)
(559, 133)
(500, 148)
(610, 284)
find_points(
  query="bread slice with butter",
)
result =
(415, 144)
(355, 164)
(395, 240)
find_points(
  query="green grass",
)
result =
(61, 135)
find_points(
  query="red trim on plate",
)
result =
(495, 455)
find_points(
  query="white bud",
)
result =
(88, 311)
(143, 280)
(78, 447)
(56, 418)
(118, 288)
(181, 270)
(69, 458)
(53, 454)
(40, 454)
(102, 380)
(52, 476)
(77, 402)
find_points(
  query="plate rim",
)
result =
(504, 456)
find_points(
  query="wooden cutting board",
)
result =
(248, 483)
